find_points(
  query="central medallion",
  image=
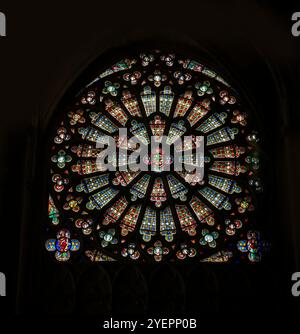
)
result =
(158, 160)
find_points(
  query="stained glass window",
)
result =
(159, 214)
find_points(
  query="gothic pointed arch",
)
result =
(161, 214)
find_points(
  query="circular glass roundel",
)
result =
(155, 159)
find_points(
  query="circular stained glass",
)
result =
(155, 159)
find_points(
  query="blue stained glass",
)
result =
(217, 199)
(148, 226)
(100, 199)
(103, 122)
(90, 184)
(149, 100)
(139, 189)
(227, 185)
(167, 225)
(166, 98)
(213, 122)
(220, 136)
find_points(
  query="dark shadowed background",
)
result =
(47, 47)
